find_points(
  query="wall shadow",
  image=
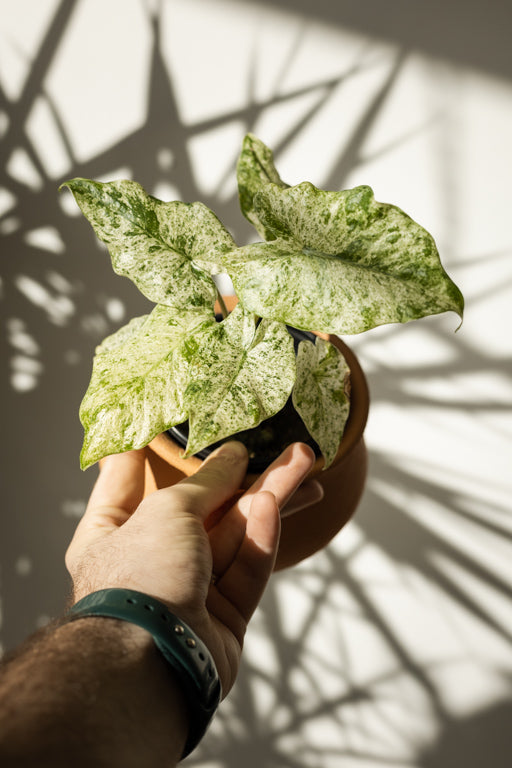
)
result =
(473, 33)
(54, 320)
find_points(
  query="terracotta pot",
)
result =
(310, 529)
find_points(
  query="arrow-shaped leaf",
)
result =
(241, 375)
(255, 168)
(139, 376)
(163, 248)
(342, 263)
(320, 394)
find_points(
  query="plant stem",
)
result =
(223, 307)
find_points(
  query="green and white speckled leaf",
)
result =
(255, 168)
(169, 250)
(320, 394)
(343, 263)
(241, 375)
(139, 376)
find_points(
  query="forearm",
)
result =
(92, 692)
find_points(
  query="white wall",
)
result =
(392, 647)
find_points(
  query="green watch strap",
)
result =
(181, 647)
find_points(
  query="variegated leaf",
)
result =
(241, 375)
(255, 169)
(320, 394)
(138, 380)
(169, 250)
(343, 263)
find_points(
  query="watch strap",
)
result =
(188, 656)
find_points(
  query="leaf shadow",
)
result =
(43, 434)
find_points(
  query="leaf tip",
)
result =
(459, 304)
(85, 461)
(89, 456)
(74, 184)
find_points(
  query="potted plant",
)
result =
(332, 263)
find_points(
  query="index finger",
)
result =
(282, 478)
(215, 482)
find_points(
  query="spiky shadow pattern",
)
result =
(55, 310)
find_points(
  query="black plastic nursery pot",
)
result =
(310, 529)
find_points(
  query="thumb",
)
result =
(120, 483)
(116, 495)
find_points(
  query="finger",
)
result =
(216, 481)
(118, 489)
(281, 479)
(114, 498)
(310, 492)
(239, 591)
(120, 482)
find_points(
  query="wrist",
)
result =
(91, 692)
(135, 680)
(130, 676)
(183, 651)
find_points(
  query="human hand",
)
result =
(180, 545)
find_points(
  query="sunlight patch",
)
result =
(166, 191)
(59, 309)
(164, 158)
(47, 139)
(115, 310)
(23, 565)
(10, 225)
(213, 155)
(21, 168)
(45, 238)
(73, 508)
(20, 338)
(7, 201)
